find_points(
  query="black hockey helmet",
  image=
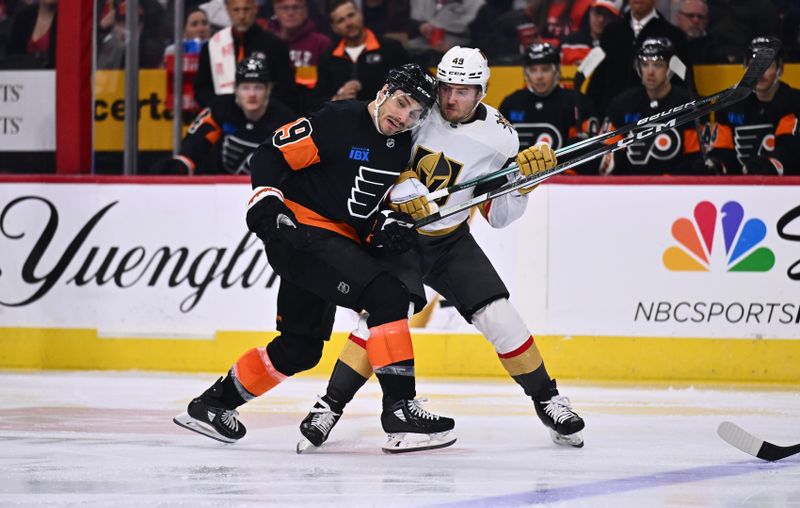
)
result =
(764, 42)
(413, 80)
(543, 53)
(252, 69)
(656, 48)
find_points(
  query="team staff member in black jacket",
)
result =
(250, 40)
(620, 41)
(315, 204)
(231, 128)
(356, 66)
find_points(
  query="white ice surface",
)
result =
(94, 439)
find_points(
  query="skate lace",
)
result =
(415, 408)
(230, 420)
(324, 418)
(559, 409)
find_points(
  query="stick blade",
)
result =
(739, 438)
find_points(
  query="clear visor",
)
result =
(403, 111)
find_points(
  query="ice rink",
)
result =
(106, 439)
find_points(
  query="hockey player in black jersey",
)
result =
(672, 151)
(318, 185)
(231, 128)
(759, 135)
(461, 140)
(544, 111)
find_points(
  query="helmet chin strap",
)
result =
(380, 98)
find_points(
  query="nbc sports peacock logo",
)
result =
(698, 237)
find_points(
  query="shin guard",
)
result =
(254, 374)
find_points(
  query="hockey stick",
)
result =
(748, 443)
(730, 95)
(643, 129)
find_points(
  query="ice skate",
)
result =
(556, 413)
(207, 415)
(317, 425)
(411, 428)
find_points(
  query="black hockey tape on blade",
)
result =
(750, 444)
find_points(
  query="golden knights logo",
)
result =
(502, 121)
(435, 170)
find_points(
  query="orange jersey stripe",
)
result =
(311, 218)
(389, 343)
(256, 372)
(722, 137)
(691, 142)
(787, 125)
(299, 153)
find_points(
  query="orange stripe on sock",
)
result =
(389, 343)
(255, 371)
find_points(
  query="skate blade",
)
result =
(410, 442)
(187, 422)
(305, 445)
(574, 440)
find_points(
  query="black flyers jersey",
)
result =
(221, 137)
(672, 151)
(557, 119)
(333, 167)
(753, 129)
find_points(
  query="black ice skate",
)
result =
(317, 425)
(411, 428)
(556, 413)
(207, 415)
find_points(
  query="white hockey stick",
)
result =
(643, 129)
(748, 443)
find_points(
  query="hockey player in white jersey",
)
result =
(465, 140)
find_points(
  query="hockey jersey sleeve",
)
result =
(204, 133)
(503, 210)
(722, 152)
(787, 145)
(292, 147)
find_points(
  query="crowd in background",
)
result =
(320, 50)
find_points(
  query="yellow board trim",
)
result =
(450, 355)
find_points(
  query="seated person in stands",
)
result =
(196, 31)
(292, 24)
(544, 111)
(33, 33)
(672, 151)
(232, 127)
(759, 135)
(575, 46)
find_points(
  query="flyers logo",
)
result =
(753, 140)
(532, 133)
(435, 170)
(664, 146)
(369, 189)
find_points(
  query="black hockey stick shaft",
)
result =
(643, 129)
(748, 443)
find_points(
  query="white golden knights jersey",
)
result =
(445, 154)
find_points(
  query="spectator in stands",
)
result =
(111, 50)
(33, 33)
(734, 23)
(484, 27)
(620, 41)
(292, 25)
(226, 48)
(356, 67)
(672, 151)
(392, 17)
(759, 135)
(7, 10)
(438, 25)
(196, 31)
(217, 12)
(544, 111)
(225, 133)
(692, 18)
(576, 45)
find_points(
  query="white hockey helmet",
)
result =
(464, 66)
